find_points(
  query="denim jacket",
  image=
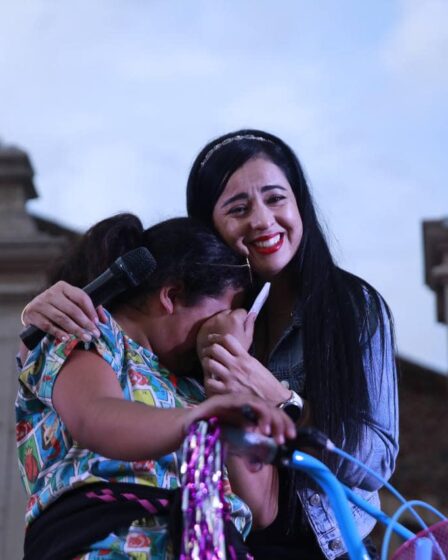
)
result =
(380, 445)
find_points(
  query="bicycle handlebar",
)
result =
(263, 449)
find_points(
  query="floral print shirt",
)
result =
(51, 462)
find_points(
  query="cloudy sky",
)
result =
(113, 99)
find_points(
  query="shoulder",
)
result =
(45, 362)
(370, 308)
(361, 292)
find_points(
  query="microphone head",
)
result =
(137, 265)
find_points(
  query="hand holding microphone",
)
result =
(128, 271)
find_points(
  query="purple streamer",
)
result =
(204, 508)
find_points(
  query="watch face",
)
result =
(293, 411)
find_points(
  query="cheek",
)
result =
(230, 234)
(297, 239)
(296, 225)
(220, 225)
(192, 330)
(299, 230)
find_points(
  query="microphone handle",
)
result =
(106, 286)
(100, 290)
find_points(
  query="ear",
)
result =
(170, 297)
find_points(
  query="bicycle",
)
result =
(429, 544)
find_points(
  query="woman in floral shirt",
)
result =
(99, 427)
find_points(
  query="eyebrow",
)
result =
(245, 196)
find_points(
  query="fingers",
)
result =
(233, 380)
(229, 322)
(214, 369)
(101, 314)
(78, 302)
(227, 341)
(249, 324)
(270, 420)
(219, 380)
(218, 352)
(214, 387)
(63, 310)
(46, 326)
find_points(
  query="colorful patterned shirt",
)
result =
(51, 462)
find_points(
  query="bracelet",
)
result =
(293, 406)
(294, 399)
(22, 320)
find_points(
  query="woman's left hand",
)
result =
(237, 322)
(229, 368)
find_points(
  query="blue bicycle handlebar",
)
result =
(264, 450)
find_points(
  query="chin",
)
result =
(268, 274)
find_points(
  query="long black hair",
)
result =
(340, 311)
(185, 250)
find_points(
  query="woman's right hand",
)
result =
(234, 408)
(64, 310)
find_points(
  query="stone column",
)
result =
(435, 241)
(25, 254)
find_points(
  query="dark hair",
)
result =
(340, 310)
(185, 250)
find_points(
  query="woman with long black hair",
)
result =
(323, 342)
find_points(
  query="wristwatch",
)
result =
(293, 406)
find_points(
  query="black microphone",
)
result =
(128, 271)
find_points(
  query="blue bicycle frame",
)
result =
(339, 495)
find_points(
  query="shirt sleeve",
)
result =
(44, 363)
(379, 446)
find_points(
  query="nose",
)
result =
(261, 217)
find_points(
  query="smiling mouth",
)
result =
(268, 244)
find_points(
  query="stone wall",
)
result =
(26, 250)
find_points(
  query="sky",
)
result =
(113, 100)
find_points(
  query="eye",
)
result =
(239, 210)
(275, 198)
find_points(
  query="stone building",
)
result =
(27, 246)
(422, 463)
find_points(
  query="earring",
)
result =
(250, 271)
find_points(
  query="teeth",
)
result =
(268, 242)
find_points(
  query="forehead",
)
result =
(230, 298)
(256, 173)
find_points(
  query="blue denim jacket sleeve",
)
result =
(379, 447)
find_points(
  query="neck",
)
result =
(276, 315)
(134, 324)
(282, 294)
